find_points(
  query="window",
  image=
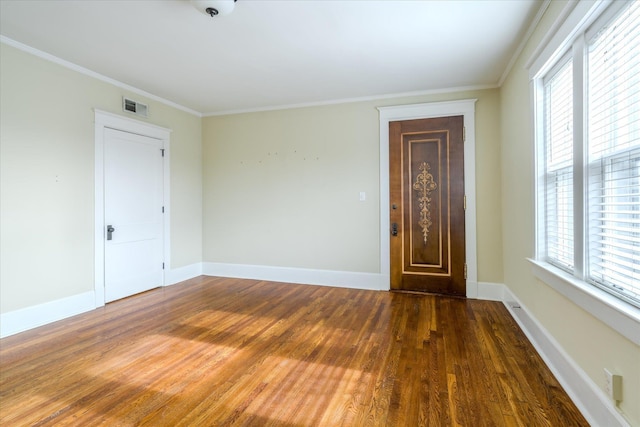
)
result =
(558, 161)
(588, 142)
(613, 156)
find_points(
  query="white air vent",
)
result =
(134, 107)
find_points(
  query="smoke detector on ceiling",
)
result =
(214, 7)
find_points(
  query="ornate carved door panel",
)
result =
(427, 205)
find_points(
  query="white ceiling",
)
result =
(271, 53)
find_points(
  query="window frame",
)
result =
(567, 37)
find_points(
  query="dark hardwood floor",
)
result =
(226, 352)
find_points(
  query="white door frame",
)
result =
(104, 120)
(466, 108)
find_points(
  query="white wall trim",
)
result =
(70, 65)
(525, 39)
(587, 396)
(466, 108)
(341, 279)
(573, 19)
(180, 274)
(17, 321)
(614, 312)
(352, 100)
(27, 318)
(490, 291)
(105, 120)
(74, 67)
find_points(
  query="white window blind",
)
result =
(613, 150)
(558, 175)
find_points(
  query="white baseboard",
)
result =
(181, 274)
(27, 318)
(490, 291)
(587, 396)
(342, 279)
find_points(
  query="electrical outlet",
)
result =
(613, 385)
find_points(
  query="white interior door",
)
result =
(133, 204)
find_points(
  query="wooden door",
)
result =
(133, 197)
(426, 177)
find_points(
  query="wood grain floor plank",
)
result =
(226, 352)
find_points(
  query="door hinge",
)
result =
(465, 203)
(465, 271)
(465, 274)
(464, 133)
(163, 209)
(162, 151)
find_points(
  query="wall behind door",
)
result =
(281, 188)
(47, 149)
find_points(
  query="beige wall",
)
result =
(590, 343)
(281, 187)
(47, 183)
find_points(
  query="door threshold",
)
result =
(422, 293)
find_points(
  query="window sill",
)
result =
(617, 314)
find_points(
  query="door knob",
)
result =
(394, 229)
(110, 231)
